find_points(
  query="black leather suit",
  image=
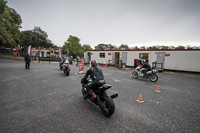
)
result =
(96, 74)
(146, 67)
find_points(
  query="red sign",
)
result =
(81, 65)
(167, 54)
(109, 53)
(91, 53)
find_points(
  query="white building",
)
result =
(182, 60)
(46, 52)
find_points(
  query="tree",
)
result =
(123, 47)
(135, 48)
(2, 6)
(164, 47)
(112, 47)
(10, 22)
(196, 47)
(106, 47)
(86, 47)
(101, 47)
(143, 48)
(189, 47)
(72, 47)
(171, 47)
(36, 38)
(180, 47)
(152, 47)
(41, 33)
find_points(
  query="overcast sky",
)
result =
(116, 22)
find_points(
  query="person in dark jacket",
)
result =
(27, 61)
(77, 60)
(145, 67)
(96, 74)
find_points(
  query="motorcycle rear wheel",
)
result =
(67, 72)
(107, 106)
(153, 78)
(135, 74)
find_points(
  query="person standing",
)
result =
(27, 61)
(77, 60)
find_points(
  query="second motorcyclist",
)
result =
(145, 67)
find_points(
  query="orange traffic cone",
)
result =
(140, 99)
(158, 89)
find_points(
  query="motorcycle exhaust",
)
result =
(114, 96)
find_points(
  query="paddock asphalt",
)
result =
(42, 99)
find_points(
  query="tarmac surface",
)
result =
(42, 99)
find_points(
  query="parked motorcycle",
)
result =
(100, 98)
(66, 68)
(151, 75)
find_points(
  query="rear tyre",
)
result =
(153, 78)
(67, 72)
(135, 74)
(107, 106)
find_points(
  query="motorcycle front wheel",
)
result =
(135, 74)
(107, 106)
(84, 93)
(153, 78)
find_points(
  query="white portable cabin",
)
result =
(181, 60)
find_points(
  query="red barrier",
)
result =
(81, 65)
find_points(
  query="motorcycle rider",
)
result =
(96, 74)
(71, 60)
(62, 60)
(65, 60)
(77, 60)
(145, 67)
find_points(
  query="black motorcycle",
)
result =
(66, 69)
(100, 98)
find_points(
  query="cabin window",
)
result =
(102, 55)
(144, 56)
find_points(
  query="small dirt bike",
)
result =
(151, 75)
(100, 98)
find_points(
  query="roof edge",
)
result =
(151, 50)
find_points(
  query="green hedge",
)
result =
(11, 57)
(47, 59)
